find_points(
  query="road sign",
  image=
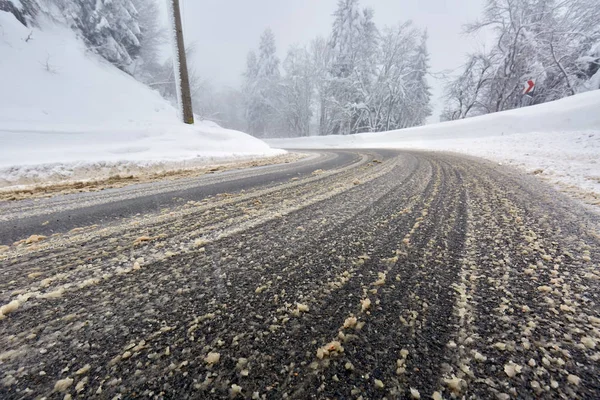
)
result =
(529, 86)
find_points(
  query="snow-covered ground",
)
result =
(559, 141)
(64, 110)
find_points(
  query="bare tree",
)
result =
(465, 93)
(554, 42)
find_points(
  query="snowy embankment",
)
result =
(559, 141)
(65, 112)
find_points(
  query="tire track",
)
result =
(403, 275)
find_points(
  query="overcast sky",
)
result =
(225, 30)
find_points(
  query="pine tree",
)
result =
(368, 43)
(262, 97)
(321, 58)
(111, 28)
(420, 93)
(297, 89)
(152, 37)
(251, 96)
(344, 83)
(251, 73)
(345, 37)
(365, 72)
(268, 63)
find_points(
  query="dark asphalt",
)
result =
(355, 274)
(113, 206)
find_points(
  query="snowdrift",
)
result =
(63, 108)
(559, 141)
(575, 113)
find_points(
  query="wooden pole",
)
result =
(184, 79)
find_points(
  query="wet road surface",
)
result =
(350, 274)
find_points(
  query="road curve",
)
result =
(350, 274)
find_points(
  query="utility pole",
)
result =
(184, 97)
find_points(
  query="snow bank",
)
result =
(64, 108)
(559, 140)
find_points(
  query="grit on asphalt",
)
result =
(348, 274)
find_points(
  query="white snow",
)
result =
(63, 108)
(559, 140)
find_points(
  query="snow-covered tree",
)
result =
(24, 10)
(346, 37)
(555, 43)
(262, 78)
(345, 44)
(400, 96)
(365, 72)
(356, 80)
(419, 108)
(252, 101)
(296, 90)
(153, 37)
(464, 93)
(268, 63)
(109, 27)
(320, 53)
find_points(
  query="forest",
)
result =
(359, 78)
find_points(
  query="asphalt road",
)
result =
(350, 274)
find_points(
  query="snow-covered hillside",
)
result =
(64, 108)
(559, 141)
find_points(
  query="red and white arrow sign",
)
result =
(529, 86)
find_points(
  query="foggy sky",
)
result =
(223, 31)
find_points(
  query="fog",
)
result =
(224, 31)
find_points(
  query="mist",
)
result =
(223, 32)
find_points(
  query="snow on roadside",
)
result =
(65, 112)
(28, 157)
(558, 141)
